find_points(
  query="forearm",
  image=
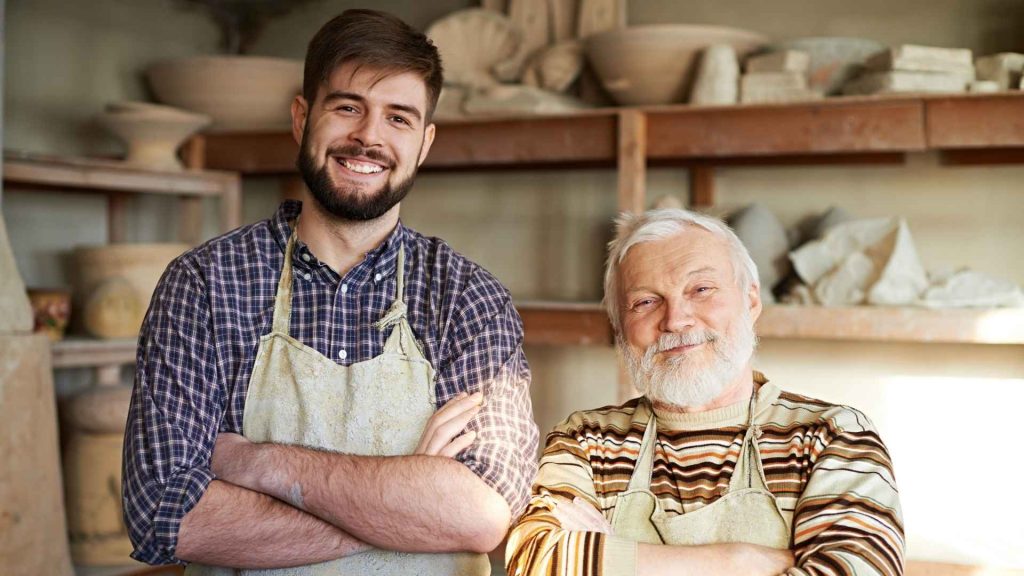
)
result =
(405, 503)
(237, 527)
(726, 559)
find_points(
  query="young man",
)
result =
(714, 470)
(285, 411)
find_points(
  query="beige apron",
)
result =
(376, 408)
(746, 512)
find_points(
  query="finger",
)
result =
(457, 406)
(458, 445)
(442, 435)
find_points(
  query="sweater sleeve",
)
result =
(848, 520)
(538, 544)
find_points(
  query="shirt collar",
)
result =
(378, 264)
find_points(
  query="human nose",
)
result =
(367, 132)
(678, 316)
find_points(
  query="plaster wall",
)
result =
(543, 233)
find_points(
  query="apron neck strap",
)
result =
(641, 478)
(283, 300)
(749, 472)
(397, 311)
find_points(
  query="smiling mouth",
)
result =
(682, 349)
(359, 166)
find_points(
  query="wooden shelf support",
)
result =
(632, 160)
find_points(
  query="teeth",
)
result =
(361, 167)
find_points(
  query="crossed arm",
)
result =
(315, 506)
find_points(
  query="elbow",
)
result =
(493, 518)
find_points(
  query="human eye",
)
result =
(401, 120)
(642, 304)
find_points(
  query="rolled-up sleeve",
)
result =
(487, 355)
(176, 408)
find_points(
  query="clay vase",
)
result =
(114, 284)
(151, 135)
(95, 421)
(51, 308)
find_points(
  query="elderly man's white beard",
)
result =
(683, 381)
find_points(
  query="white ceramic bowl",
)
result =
(238, 92)
(654, 64)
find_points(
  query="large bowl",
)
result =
(654, 64)
(238, 92)
(152, 135)
(833, 60)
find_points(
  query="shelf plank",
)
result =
(981, 121)
(78, 352)
(102, 175)
(835, 126)
(586, 324)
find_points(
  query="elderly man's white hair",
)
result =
(653, 225)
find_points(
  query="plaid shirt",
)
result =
(199, 340)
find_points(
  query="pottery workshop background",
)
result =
(543, 233)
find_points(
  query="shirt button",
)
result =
(377, 277)
(342, 354)
(344, 288)
(307, 276)
(305, 257)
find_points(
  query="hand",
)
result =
(752, 559)
(579, 515)
(441, 437)
(230, 459)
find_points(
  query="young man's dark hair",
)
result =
(375, 39)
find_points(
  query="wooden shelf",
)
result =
(117, 180)
(551, 323)
(78, 352)
(841, 130)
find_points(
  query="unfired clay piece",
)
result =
(864, 261)
(595, 16)
(556, 67)
(718, 76)
(530, 18)
(914, 58)
(779, 61)
(765, 239)
(450, 101)
(983, 87)
(1004, 68)
(471, 43)
(970, 289)
(517, 99)
(15, 309)
(153, 136)
(776, 88)
(900, 81)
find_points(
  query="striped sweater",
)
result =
(825, 464)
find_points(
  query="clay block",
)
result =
(891, 82)
(912, 58)
(781, 61)
(718, 77)
(15, 310)
(1004, 69)
(778, 95)
(31, 494)
(761, 80)
(983, 86)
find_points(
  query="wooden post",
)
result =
(190, 219)
(116, 218)
(632, 161)
(702, 186)
(193, 153)
(231, 203)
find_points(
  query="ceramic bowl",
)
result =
(240, 93)
(655, 64)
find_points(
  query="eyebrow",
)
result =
(688, 275)
(341, 95)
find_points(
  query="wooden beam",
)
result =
(982, 156)
(823, 127)
(101, 175)
(91, 352)
(982, 121)
(632, 161)
(702, 186)
(193, 153)
(117, 219)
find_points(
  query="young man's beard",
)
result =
(348, 204)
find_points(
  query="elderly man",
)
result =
(714, 470)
